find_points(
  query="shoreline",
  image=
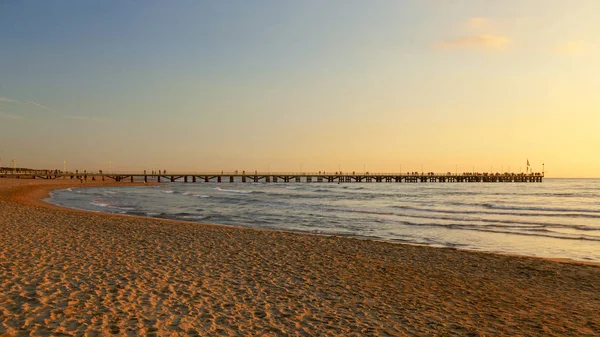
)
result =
(44, 193)
(65, 271)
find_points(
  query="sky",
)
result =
(381, 86)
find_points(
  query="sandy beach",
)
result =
(67, 272)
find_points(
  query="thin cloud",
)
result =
(10, 100)
(570, 47)
(478, 22)
(482, 42)
(38, 105)
(5, 99)
(9, 116)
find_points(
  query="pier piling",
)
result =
(304, 177)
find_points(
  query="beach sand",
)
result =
(67, 272)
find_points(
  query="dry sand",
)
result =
(65, 272)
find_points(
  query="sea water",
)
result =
(559, 218)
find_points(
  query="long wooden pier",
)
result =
(258, 177)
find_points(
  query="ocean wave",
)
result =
(140, 213)
(537, 214)
(549, 234)
(501, 223)
(506, 223)
(99, 204)
(542, 209)
(193, 194)
(183, 214)
(232, 191)
(193, 217)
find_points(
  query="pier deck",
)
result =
(257, 177)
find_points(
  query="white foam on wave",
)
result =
(232, 191)
(193, 217)
(169, 192)
(99, 204)
(201, 196)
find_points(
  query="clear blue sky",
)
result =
(198, 85)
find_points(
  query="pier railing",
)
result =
(274, 177)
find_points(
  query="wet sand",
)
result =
(67, 272)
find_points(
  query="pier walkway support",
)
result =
(320, 177)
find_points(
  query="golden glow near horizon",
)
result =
(447, 87)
